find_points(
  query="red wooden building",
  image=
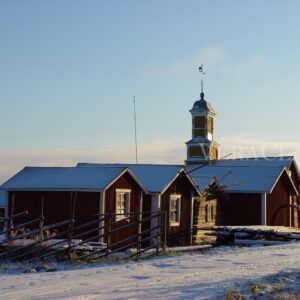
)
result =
(83, 192)
(261, 190)
(263, 193)
(169, 189)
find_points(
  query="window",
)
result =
(199, 128)
(209, 212)
(201, 151)
(174, 217)
(122, 204)
(210, 125)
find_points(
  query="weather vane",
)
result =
(202, 72)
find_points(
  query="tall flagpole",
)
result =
(136, 151)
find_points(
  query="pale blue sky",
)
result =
(69, 69)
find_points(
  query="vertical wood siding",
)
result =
(278, 211)
(243, 209)
(179, 234)
(124, 182)
(295, 177)
(56, 206)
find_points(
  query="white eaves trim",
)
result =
(182, 170)
(132, 175)
(284, 170)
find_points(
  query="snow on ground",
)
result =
(262, 228)
(182, 276)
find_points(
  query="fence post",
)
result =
(71, 224)
(139, 236)
(108, 235)
(41, 225)
(164, 216)
(158, 232)
(10, 224)
(140, 218)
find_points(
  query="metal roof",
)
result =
(153, 177)
(63, 178)
(270, 161)
(251, 179)
(255, 175)
(202, 105)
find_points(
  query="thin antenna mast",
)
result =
(135, 136)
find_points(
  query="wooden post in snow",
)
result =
(10, 222)
(71, 223)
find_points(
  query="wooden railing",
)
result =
(98, 238)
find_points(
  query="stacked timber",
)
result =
(251, 235)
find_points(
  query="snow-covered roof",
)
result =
(155, 178)
(277, 161)
(249, 179)
(63, 178)
(255, 175)
(202, 181)
(2, 199)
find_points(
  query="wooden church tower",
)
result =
(202, 147)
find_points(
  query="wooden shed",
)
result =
(260, 191)
(169, 189)
(80, 194)
(122, 193)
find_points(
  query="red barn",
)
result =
(261, 191)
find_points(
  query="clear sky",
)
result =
(69, 70)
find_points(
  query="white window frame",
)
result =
(175, 197)
(127, 204)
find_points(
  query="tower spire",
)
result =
(202, 147)
(202, 72)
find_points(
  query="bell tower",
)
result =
(202, 147)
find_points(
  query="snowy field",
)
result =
(208, 275)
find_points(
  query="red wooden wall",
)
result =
(278, 210)
(124, 182)
(179, 234)
(243, 209)
(56, 206)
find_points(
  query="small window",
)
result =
(206, 213)
(199, 132)
(174, 217)
(122, 204)
(210, 124)
(209, 212)
(199, 122)
(199, 126)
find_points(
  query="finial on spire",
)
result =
(202, 72)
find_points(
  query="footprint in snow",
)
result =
(141, 277)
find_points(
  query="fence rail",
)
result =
(97, 238)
